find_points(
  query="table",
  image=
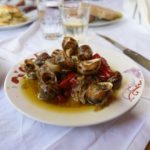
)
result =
(131, 131)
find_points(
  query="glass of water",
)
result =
(49, 17)
(75, 18)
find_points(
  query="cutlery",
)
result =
(132, 54)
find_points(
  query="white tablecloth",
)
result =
(131, 131)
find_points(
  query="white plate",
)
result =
(127, 97)
(31, 16)
(99, 22)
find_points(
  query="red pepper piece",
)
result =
(105, 72)
(105, 66)
(104, 63)
(73, 82)
(61, 98)
(103, 77)
(65, 83)
(67, 92)
(96, 55)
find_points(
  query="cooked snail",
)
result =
(56, 52)
(98, 92)
(41, 58)
(116, 80)
(88, 67)
(70, 46)
(46, 76)
(84, 52)
(47, 92)
(53, 67)
(30, 69)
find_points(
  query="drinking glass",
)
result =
(49, 17)
(75, 18)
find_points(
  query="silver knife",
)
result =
(132, 54)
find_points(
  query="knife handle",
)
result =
(138, 58)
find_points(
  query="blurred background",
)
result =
(136, 9)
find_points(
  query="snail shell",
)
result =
(87, 67)
(98, 92)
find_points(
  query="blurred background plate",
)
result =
(31, 16)
(103, 22)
